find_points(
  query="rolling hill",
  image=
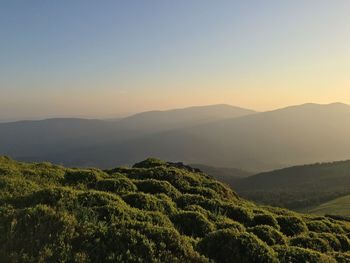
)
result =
(254, 142)
(154, 211)
(60, 139)
(339, 206)
(298, 187)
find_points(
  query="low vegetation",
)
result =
(297, 187)
(153, 212)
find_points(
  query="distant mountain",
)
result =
(208, 135)
(298, 187)
(61, 140)
(257, 142)
(155, 121)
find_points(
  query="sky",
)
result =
(102, 59)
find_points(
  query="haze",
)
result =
(110, 59)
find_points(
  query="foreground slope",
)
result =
(152, 212)
(297, 187)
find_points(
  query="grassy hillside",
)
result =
(298, 187)
(152, 212)
(339, 206)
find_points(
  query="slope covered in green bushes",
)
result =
(152, 212)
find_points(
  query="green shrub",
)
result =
(41, 233)
(192, 223)
(228, 246)
(223, 222)
(313, 243)
(317, 226)
(120, 185)
(291, 225)
(265, 219)
(344, 242)
(341, 257)
(93, 198)
(51, 196)
(290, 254)
(331, 239)
(152, 186)
(268, 234)
(149, 202)
(239, 213)
(88, 177)
(212, 205)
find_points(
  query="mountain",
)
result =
(155, 211)
(155, 121)
(298, 187)
(47, 139)
(257, 142)
(254, 142)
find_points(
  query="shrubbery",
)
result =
(268, 234)
(192, 223)
(232, 246)
(154, 212)
(291, 225)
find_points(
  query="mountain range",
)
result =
(216, 135)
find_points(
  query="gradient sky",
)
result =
(106, 58)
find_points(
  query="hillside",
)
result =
(298, 187)
(339, 206)
(152, 212)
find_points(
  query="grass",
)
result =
(339, 206)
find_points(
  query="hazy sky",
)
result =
(105, 58)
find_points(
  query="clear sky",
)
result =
(106, 58)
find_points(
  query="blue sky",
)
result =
(105, 58)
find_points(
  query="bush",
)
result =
(192, 223)
(93, 198)
(149, 202)
(88, 177)
(317, 226)
(291, 225)
(313, 243)
(265, 219)
(239, 213)
(41, 233)
(344, 242)
(226, 223)
(332, 240)
(120, 185)
(228, 246)
(268, 234)
(341, 257)
(290, 254)
(152, 186)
